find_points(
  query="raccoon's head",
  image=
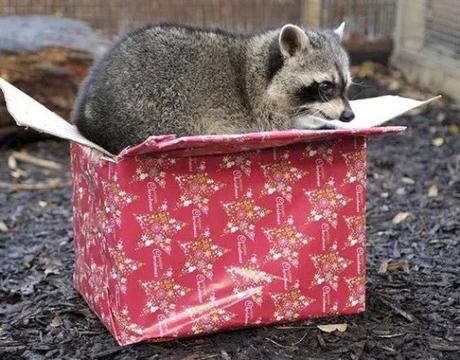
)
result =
(309, 74)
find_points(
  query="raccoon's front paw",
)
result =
(327, 127)
(312, 123)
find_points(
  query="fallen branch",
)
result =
(301, 339)
(444, 347)
(278, 344)
(390, 336)
(398, 310)
(52, 184)
(27, 158)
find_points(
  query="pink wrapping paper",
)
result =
(170, 242)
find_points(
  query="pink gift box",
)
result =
(177, 237)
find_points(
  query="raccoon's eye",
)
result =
(326, 88)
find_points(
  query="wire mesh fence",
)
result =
(371, 18)
(116, 16)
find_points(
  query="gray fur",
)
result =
(169, 79)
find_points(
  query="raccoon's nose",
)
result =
(347, 115)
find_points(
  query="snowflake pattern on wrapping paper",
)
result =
(115, 199)
(332, 310)
(123, 266)
(97, 282)
(105, 224)
(80, 275)
(195, 190)
(328, 267)
(280, 178)
(326, 202)
(356, 230)
(249, 280)
(356, 166)
(79, 186)
(323, 149)
(208, 318)
(90, 230)
(201, 254)
(289, 304)
(158, 228)
(148, 167)
(285, 242)
(89, 174)
(128, 331)
(243, 215)
(356, 290)
(241, 161)
(202, 289)
(163, 294)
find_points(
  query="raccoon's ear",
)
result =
(339, 30)
(293, 40)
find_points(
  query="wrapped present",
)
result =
(177, 237)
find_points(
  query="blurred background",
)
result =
(47, 46)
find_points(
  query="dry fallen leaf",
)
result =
(383, 267)
(454, 129)
(433, 190)
(393, 266)
(333, 327)
(400, 217)
(56, 322)
(439, 141)
(407, 180)
(3, 227)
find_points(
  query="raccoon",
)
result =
(171, 79)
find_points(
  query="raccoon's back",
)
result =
(159, 80)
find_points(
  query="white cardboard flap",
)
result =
(27, 112)
(377, 111)
(30, 113)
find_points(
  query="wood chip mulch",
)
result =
(413, 264)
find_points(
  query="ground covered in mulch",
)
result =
(413, 262)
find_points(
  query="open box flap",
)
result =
(377, 111)
(223, 144)
(31, 114)
(369, 113)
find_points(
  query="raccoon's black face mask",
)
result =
(312, 74)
